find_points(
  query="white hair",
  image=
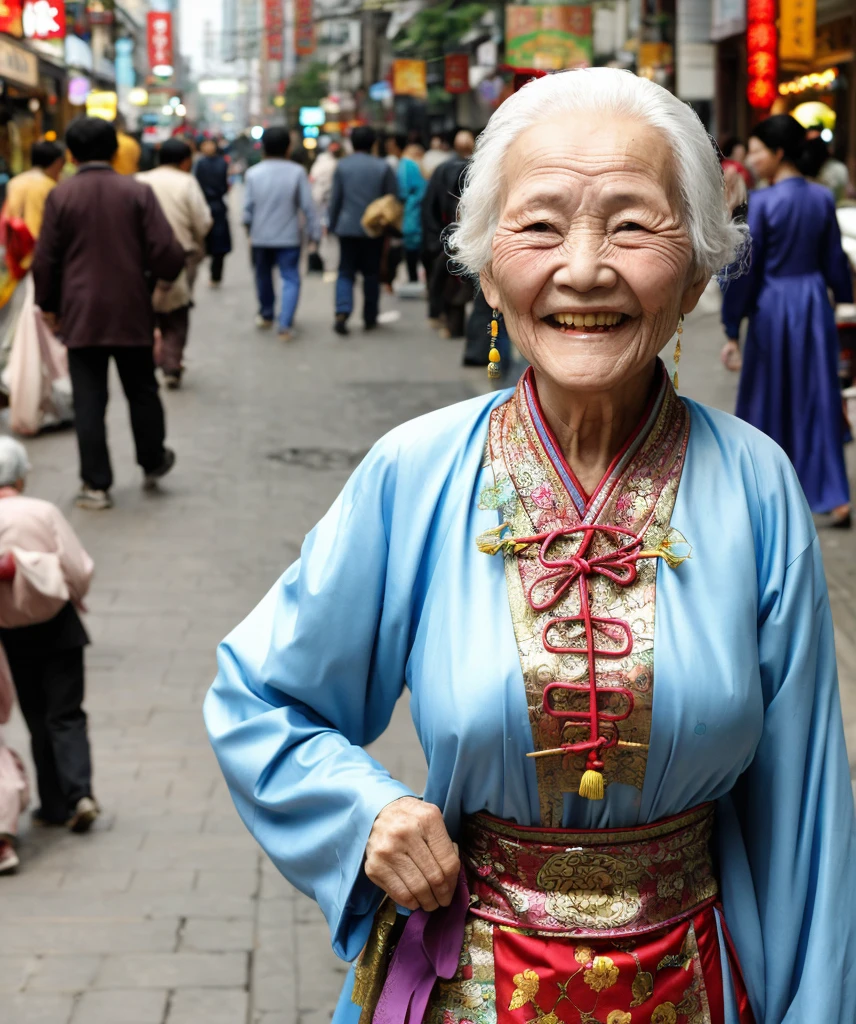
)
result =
(716, 240)
(14, 464)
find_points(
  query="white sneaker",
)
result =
(9, 861)
(85, 813)
(92, 500)
(262, 324)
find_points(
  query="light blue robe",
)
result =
(390, 591)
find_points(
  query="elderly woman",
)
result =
(585, 851)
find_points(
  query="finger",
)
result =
(432, 873)
(442, 848)
(386, 878)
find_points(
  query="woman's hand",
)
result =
(730, 356)
(411, 857)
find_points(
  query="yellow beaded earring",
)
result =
(678, 349)
(493, 370)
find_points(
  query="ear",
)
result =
(689, 300)
(488, 287)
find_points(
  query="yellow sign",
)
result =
(409, 78)
(797, 30)
(103, 105)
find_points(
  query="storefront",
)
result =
(823, 91)
(824, 77)
(21, 107)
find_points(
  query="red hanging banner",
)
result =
(273, 30)
(10, 17)
(457, 73)
(304, 28)
(44, 19)
(159, 26)
(761, 50)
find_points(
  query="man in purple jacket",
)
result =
(104, 243)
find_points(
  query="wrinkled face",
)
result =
(592, 263)
(763, 161)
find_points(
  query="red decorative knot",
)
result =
(618, 565)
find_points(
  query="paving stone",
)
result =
(212, 934)
(173, 970)
(67, 973)
(129, 1006)
(95, 935)
(14, 971)
(203, 1006)
(38, 1008)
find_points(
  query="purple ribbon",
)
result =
(429, 948)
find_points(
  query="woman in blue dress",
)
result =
(789, 385)
(609, 608)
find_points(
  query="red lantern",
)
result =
(761, 47)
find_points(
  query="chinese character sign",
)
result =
(797, 29)
(10, 17)
(548, 38)
(761, 47)
(457, 73)
(273, 30)
(159, 25)
(304, 28)
(44, 19)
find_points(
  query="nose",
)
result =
(583, 267)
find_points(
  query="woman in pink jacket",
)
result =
(44, 576)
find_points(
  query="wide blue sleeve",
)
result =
(740, 292)
(795, 811)
(304, 682)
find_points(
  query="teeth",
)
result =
(588, 319)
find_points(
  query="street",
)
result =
(167, 913)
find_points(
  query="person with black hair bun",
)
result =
(789, 383)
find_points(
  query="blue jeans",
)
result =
(288, 261)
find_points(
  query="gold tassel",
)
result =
(493, 370)
(678, 350)
(591, 785)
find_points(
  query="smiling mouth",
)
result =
(590, 323)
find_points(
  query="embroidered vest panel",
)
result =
(581, 575)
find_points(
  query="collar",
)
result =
(95, 165)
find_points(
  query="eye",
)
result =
(540, 226)
(630, 225)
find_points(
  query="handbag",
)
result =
(315, 264)
(382, 216)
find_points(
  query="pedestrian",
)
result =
(183, 202)
(621, 821)
(448, 293)
(27, 193)
(411, 191)
(789, 383)
(359, 180)
(128, 151)
(439, 151)
(14, 785)
(212, 173)
(104, 242)
(46, 575)
(276, 193)
(321, 179)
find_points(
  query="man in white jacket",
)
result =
(185, 207)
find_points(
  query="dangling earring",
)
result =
(678, 349)
(493, 370)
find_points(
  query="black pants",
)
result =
(50, 693)
(217, 268)
(435, 282)
(88, 368)
(359, 256)
(174, 328)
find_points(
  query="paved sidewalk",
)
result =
(167, 913)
